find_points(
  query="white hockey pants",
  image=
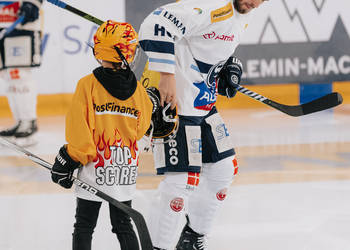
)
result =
(21, 93)
(201, 203)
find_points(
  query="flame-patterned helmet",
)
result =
(113, 34)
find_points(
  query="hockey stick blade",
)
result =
(136, 216)
(325, 102)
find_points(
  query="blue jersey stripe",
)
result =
(157, 60)
(158, 46)
(194, 67)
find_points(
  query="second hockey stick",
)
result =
(76, 11)
(136, 216)
(8, 30)
(137, 66)
(322, 103)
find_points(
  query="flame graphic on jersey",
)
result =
(104, 152)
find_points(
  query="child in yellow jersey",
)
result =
(109, 113)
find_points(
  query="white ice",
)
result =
(285, 216)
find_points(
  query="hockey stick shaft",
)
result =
(76, 11)
(137, 217)
(8, 30)
(325, 102)
(137, 68)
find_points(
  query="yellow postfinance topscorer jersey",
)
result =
(102, 133)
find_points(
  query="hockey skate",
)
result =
(23, 133)
(190, 240)
(10, 131)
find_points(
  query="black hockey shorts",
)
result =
(200, 139)
(21, 48)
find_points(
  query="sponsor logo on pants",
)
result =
(177, 204)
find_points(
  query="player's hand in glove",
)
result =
(229, 77)
(30, 12)
(63, 168)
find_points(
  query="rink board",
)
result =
(57, 104)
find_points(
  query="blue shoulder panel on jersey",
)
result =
(158, 46)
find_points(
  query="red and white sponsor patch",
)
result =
(193, 179)
(9, 11)
(177, 204)
(223, 37)
(221, 195)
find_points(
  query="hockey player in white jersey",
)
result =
(20, 52)
(190, 42)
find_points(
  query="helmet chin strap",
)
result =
(124, 61)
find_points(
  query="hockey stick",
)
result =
(322, 103)
(136, 216)
(325, 102)
(8, 30)
(70, 8)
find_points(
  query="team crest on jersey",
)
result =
(213, 74)
(206, 98)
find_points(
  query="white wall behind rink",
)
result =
(67, 57)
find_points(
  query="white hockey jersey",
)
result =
(187, 38)
(9, 11)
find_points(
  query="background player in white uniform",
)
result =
(188, 42)
(20, 52)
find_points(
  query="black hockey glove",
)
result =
(63, 168)
(164, 119)
(229, 77)
(30, 12)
